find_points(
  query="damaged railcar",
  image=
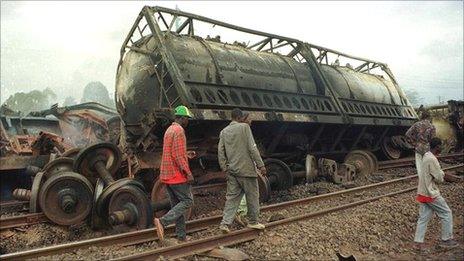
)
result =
(29, 142)
(303, 98)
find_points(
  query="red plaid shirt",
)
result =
(174, 163)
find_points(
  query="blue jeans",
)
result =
(181, 199)
(426, 210)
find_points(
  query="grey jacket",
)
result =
(237, 151)
(429, 176)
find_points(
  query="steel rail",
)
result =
(243, 235)
(22, 220)
(405, 162)
(146, 235)
(36, 218)
(13, 205)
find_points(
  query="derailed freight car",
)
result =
(301, 98)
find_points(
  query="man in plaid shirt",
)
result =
(175, 173)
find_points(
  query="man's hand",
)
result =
(191, 154)
(190, 178)
(263, 171)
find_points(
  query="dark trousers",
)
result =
(181, 198)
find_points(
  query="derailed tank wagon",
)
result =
(302, 100)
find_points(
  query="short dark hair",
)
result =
(425, 115)
(435, 142)
(236, 114)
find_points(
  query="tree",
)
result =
(97, 92)
(32, 101)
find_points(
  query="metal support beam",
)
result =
(358, 138)
(316, 137)
(339, 136)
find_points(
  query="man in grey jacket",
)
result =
(239, 157)
(430, 199)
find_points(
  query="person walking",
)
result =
(431, 201)
(420, 134)
(175, 173)
(239, 157)
(242, 210)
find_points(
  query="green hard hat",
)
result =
(182, 110)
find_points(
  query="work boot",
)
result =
(159, 229)
(240, 220)
(448, 244)
(256, 226)
(224, 228)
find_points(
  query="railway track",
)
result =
(147, 235)
(13, 205)
(406, 162)
(36, 218)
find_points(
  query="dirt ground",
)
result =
(376, 231)
(381, 230)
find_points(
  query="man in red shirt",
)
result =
(175, 173)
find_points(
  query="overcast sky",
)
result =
(65, 45)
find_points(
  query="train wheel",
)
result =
(160, 201)
(362, 161)
(264, 188)
(374, 159)
(389, 150)
(279, 174)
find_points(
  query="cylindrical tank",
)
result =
(205, 63)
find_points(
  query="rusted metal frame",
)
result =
(339, 136)
(190, 28)
(161, 81)
(343, 54)
(162, 19)
(314, 67)
(182, 26)
(139, 50)
(293, 52)
(298, 83)
(219, 23)
(322, 55)
(277, 46)
(263, 44)
(128, 37)
(316, 137)
(361, 66)
(404, 99)
(373, 66)
(382, 136)
(276, 140)
(219, 74)
(258, 43)
(166, 56)
(358, 138)
(172, 22)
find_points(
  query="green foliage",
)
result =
(32, 101)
